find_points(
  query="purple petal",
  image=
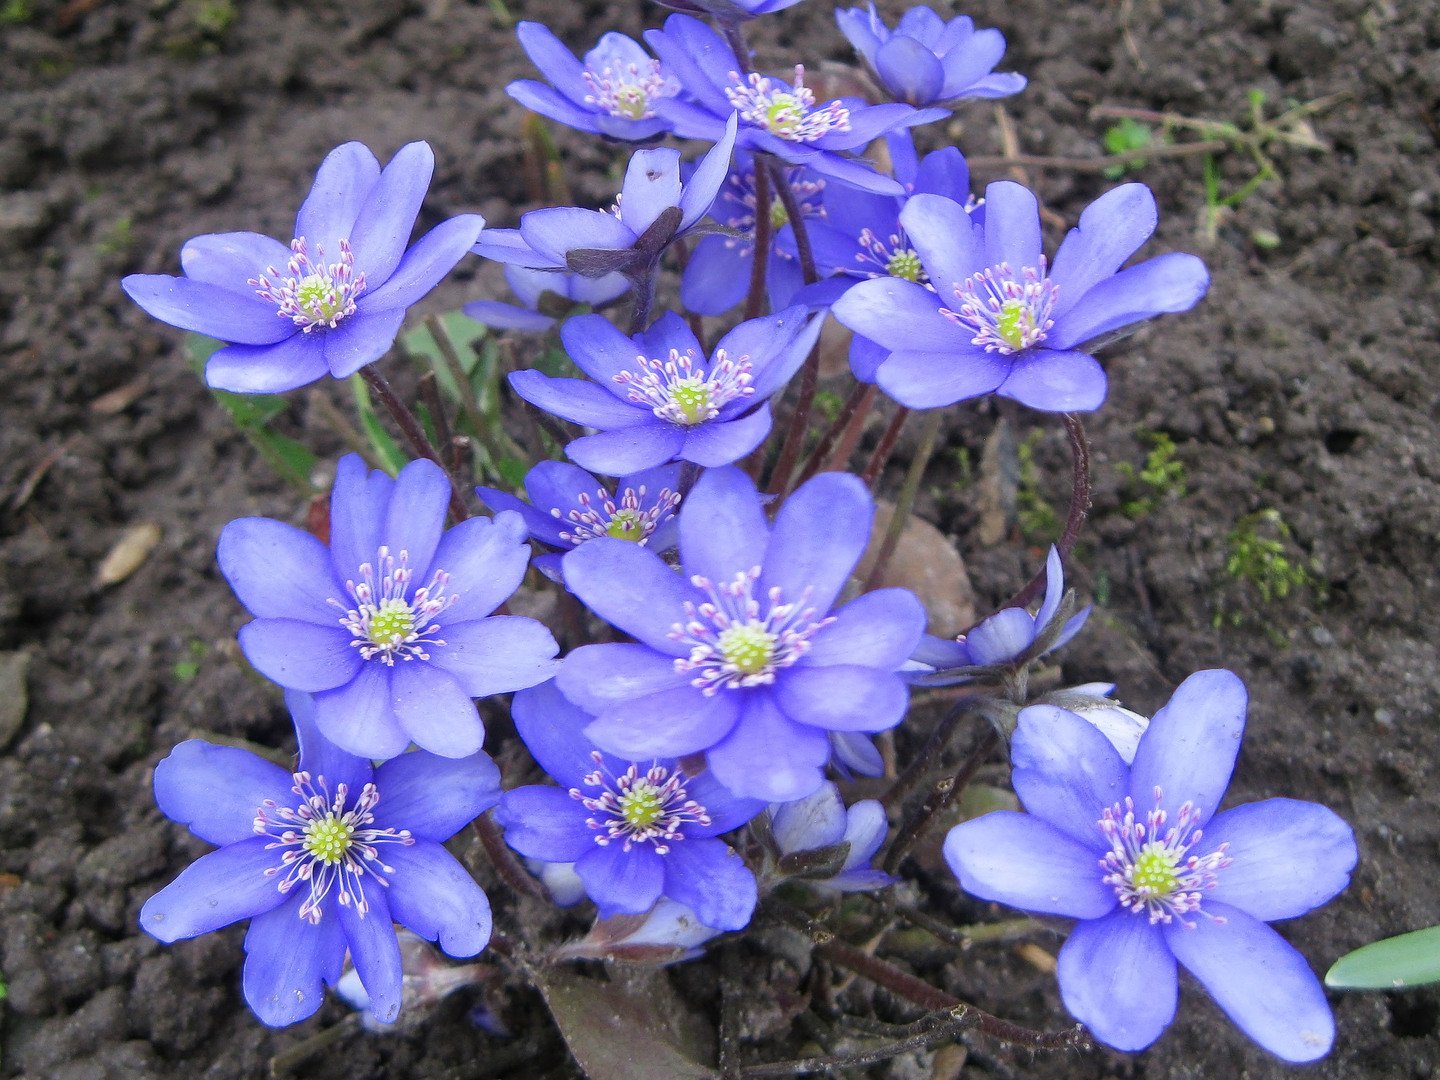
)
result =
(967, 65)
(712, 881)
(342, 184)
(620, 881)
(1000, 84)
(1020, 860)
(768, 756)
(1054, 589)
(1012, 226)
(267, 369)
(866, 827)
(288, 962)
(944, 172)
(415, 517)
(856, 173)
(230, 260)
(909, 70)
(717, 276)
(545, 823)
(1166, 283)
(212, 310)
(598, 349)
(631, 587)
(553, 60)
(1111, 229)
(842, 698)
(898, 315)
(300, 655)
(435, 710)
(357, 511)
(577, 400)
(331, 765)
(559, 485)
(499, 316)
(866, 357)
(816, 821)
(878, 630)
(723, 530)
(435, 797)
(778, 371)
(358, 716)
(509, 247)
(819, 536)
(857, 753)
(279, 571)
(596, 677)
(726, 809)
(553, 727)
(385, 222)
(1066, 772)
(1286, 857)
(557, 230)
(497, 655)
(705, 182)
(424, 265)
(432, 894)
(374, 950)
(215, 790)
(550, 103)
(215, 890)
(486, 561)
(722, 442)
(946, 238)
(624, 450)
(360, 339)
(652, 186)
(922, 380)
(672, 723)
(1189, 749)
(1119, 980)
(1002, 637)
(1056, 381)
(1262, 983)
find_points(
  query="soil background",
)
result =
(1307, 382)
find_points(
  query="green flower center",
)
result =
(692, 400)
(905, 265)
(642, 805)
(779, 216)
(393, 623)
(329, 838)
(318, 297)
(1010, 323)
(749, 649)
(1154, 873)
(632, 102)
(626, 525)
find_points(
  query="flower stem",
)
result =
(503, 859)
(759, 244)
(876, 465)
(413, 432)
(941, 796)
(845, 431)
(905, 502)
(1079, 507)
(643, 286)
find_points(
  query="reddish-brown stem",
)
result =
(503, 859)
(942, 795)
(414, 434)
(884, 448)
(759, 243)
(1079, 507)
(850, 420)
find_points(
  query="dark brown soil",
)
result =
(1308, 381)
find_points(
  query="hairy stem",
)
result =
(905, 502)
(885, 447)
(850, 420)
(414, 434)
(1079, 507)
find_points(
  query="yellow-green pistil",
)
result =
(1151, 864)
(692, 400)
(749, 649)
(329, 838)
(392, 624)
(642, 805)
(905, 265)
(638, 808)
(627, 525)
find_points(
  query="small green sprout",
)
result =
(1037, 518)
(1125, 137)
(186, 669)
(1259, 557)
(1161, 478)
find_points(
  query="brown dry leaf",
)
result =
(997, 485)
(1036, 957)
(119, 399)
(14, 698)
(128, 553)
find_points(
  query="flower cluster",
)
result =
(728, 668)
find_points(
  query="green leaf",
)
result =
(1393, 963)
(387, 451)
(462, 331)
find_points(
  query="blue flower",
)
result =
(612, 93)
(777, 116)
(821, 821)
(995, 318)
(928, 61)
(658, 400)
(321, 861)
(731, 11)
(1009, 636)
(739, 656)
(717, 277)
(654, 209)
(635, 831)
(1138, 855)
(388, 625)
(531, 286)
(333, 300)
(568, 506)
